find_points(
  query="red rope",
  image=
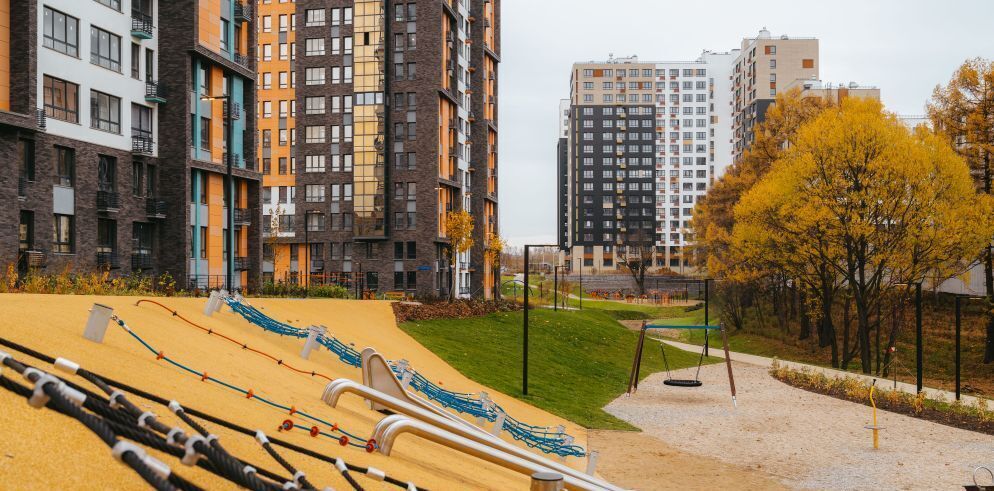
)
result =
(244, 346)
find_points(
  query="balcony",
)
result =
(243, 12)
(108, 260)
(234, 108)
(35, 258)
(154, 92)
(241, 263)
(141, 261)
(142, 145)
(155, 208)
(108, 201)
(42, 119)
(141, 25)
(240, 59)
(243, 216)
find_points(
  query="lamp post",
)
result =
(229, 270)
(307, 252)
(524, 345)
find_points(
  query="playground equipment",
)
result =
(633, 378)
(876, 429)
(539, 437)
(976, 484)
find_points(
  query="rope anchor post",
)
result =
(876, 428)
(96, 325)
(211, 306)
(314, 333)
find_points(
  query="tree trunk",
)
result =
(802, 308)
(988, 259)
(845, 333)
(826, 330)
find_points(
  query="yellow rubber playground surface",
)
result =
(41, 449)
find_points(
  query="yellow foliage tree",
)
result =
(859, 193)
(492, 254)
(459, 228)
(963, 113)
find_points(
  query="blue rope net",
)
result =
(549, 440)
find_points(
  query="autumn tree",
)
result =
(492, 254)
(459, 230)
(714, 217)
(859, 193)
(963, 113)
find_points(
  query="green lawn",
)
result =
(578, 360)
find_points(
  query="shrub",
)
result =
(457, 309)
(329, 291)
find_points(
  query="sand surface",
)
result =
(802, 439)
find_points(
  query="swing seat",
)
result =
(676, 382)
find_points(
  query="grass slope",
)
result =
(578, 361)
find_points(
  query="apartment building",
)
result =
(833, 93)
(277, 110)
(119, 163)
(645, 142)
(766, 64)
(397, 128)
(80, 105)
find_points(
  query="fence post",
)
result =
(546, 481)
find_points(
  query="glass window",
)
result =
(105, 112)
(61, 32)
(61, 99)
(65, 166)
(62, 234)
(105, 49)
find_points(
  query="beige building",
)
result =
(834, 93)
(766, 65)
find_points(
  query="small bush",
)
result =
(329, 291)
(457, 309)
(696, 306)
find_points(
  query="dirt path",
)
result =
(639, 461)
(805, 440)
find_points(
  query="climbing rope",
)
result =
(248, 393)
(132, 423)
(546, 439)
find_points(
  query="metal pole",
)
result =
(555, 288)
(958, 311)
(524, 354)
(307, 247)
(230, 184)
(919, 354)
(707, 319)
(581, 283)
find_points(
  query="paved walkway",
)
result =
(765, 362)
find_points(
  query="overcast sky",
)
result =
(903, 47)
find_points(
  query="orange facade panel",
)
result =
(5, 55)
(808, 63)
(209, 24)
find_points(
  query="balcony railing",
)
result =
(108, 260)
(240, 59)
(22, 187)
(243, 12)
(241, 263)
(243, 216)
(155, 208)
(35, 258)
(141, 25)
(155, 92)
(42, 119)
(141, 261)
(142, 144)
(108, 201)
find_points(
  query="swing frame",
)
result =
(633, 378)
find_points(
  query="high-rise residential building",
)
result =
(766, 64)
(210, 73)
(277, 112)
(645, 141)
(562, 175)
(95, 113)
(833, 93)
(397, 128)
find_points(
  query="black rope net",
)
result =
(130, 431)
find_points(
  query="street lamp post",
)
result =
(229, 270)
(524, 346)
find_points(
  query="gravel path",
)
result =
(805, 440)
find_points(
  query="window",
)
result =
(808, 63)
(26, 158)
(141, 239)
(105, 49)
(315, 222)
(65, 166)
(314, 193)
(314, 105)
(106, 235)
(61, 32)
(314, 17)
(141, 125)
(314, 76)
(773, 62)
(136, 61)
(225, 42)
(205, 133)
(114, 4)
(106, 173)
(61, 99)
(105, 112)
(314, 134)
(137, 176)
(62, 234)
(314, 163)
(314, 47)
